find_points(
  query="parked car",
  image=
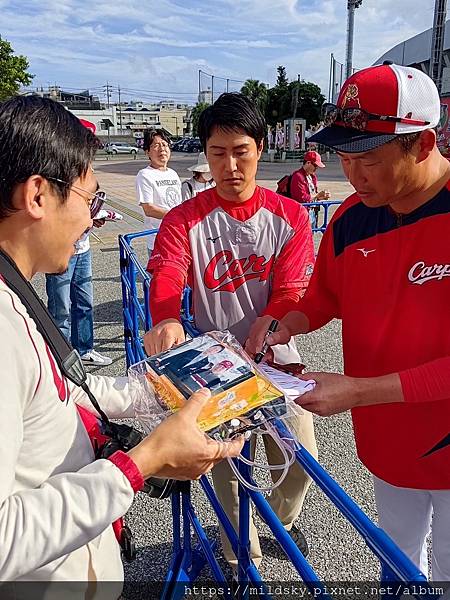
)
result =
(193, 145)
(121, 148)
(180, 146)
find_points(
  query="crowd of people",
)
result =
(248, 255)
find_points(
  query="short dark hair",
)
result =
(39, 136)
(232, 111)
(407, 141)
(149, 136)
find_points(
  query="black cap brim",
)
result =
(345, 139)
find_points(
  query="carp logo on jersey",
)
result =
(225, 273)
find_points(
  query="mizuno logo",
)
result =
(365, 252)
(421, 273)
(213, 240)
(225, 273)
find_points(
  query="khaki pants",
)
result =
(286, 500)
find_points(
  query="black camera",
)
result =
(124, 437)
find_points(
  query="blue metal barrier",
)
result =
(188, 560)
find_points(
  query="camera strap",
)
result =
(71, 365)
(67, 359)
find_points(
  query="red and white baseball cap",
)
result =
(405, 94)
(89, 125)
(314, 158)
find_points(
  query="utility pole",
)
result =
(108, 93)
(295, 103)
(352, 5)
(437, 44)
(199, 84)
(120, 109)
(228, 85)
(212, 89)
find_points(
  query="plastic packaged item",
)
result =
(162, 383)
(245, 397)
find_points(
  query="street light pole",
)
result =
(352, 5)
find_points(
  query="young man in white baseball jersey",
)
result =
(158, 188)
(244, 251)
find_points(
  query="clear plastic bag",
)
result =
(243, 396)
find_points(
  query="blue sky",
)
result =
(158, 47)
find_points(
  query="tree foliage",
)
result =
(282, 80)
(281, 102)
(257, 92)
(195, 115)
(13, 71)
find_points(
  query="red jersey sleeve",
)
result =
(427, 383)
(293, 268)
(169, 264)
(321, 300)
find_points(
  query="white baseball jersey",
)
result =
(236, 257)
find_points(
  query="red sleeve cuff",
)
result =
(128, 468)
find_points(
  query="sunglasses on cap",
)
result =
(358, 118)
(95, 200)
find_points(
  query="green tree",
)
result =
(257, 92)
(13, 71)
(303, 98)
(309, 102)
(195, 115)
(282, 80)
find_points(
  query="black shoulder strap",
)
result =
(189, 185)
(67, 358)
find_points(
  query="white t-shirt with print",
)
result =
(161, 188)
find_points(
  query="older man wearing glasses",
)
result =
(384, 268)
(71, 294)
(158, 188)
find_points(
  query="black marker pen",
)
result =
(272, 328)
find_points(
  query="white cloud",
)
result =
(161, 45)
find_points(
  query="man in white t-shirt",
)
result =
(158, 188)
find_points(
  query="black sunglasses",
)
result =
(358, 118)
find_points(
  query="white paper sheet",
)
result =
(290, 385)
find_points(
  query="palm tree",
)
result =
(257, 92)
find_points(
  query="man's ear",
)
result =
(427, 142)
(33, 196)
(260, 148)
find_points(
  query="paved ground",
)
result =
(337, 552)
(117, 177)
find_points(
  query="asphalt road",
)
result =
(181, 160)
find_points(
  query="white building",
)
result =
(134, 118)
(205, 96)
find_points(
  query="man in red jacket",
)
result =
(304, 184)
(384, 268)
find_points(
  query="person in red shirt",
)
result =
(303, 186)
(245, 251)
(384, 268)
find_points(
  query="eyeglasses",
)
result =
(96, 200)
(160, 146)
(357, 118)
